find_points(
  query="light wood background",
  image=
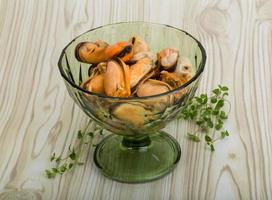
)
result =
(37, 116)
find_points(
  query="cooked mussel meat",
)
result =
(174, 79)
(152, 87)
(117, 79)
(139, 70)
(185, 68)
(122, 50)
(134, 113)
(129, 68)
(95, 84)
(91, 52)
(139, 45)
(168, 59)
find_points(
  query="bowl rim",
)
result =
(197, 74)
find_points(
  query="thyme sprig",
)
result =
(74, 157)
(209, 114)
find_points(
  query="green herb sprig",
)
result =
(207, 112)
(74, 157)
(209, 115)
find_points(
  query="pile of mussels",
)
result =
(129, 68)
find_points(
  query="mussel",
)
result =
(129, 68)
(99, 51)
(185, 68)
(139, 45)
(168, 59)
(139, 70)
(95, 84)
(182, 74)
(111, 78)
(91, 52)
(153, 87)
(174, 79)
(133, 113)
(117, 79)
(97, 69)
(122, 50)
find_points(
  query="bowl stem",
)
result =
(136, 142)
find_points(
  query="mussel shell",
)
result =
(124, 52)
(78, 47)
(90, 70)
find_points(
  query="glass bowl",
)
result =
(137, 151)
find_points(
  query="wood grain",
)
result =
(37, 116)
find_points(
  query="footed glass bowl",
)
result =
(137, 151)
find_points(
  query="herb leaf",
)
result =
(64, 164)
(208, 113)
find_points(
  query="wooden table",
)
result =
(37, 116)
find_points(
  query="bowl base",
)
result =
(137, 159)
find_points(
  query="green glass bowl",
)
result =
(137, 151)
